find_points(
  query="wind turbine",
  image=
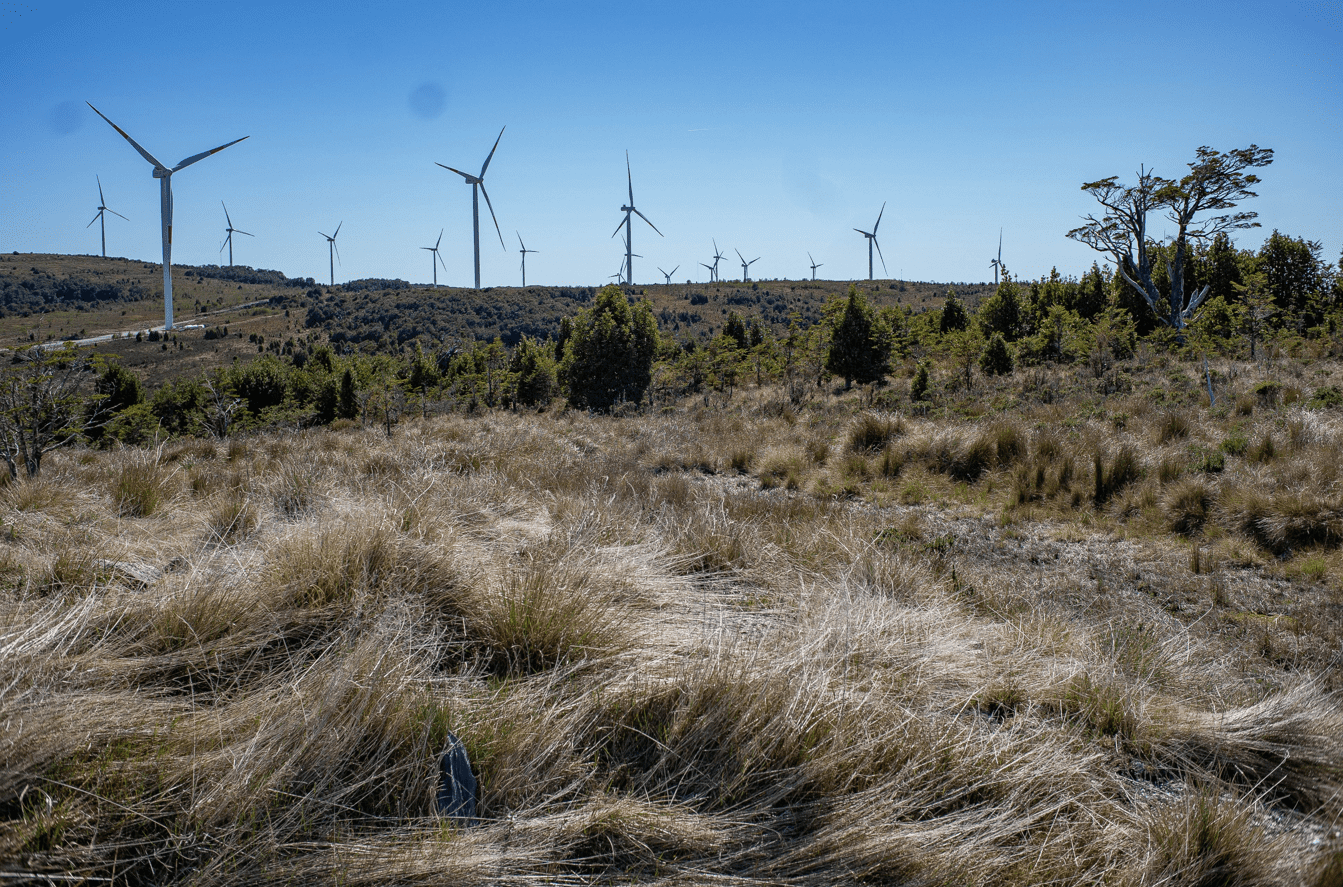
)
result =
(228, 241)
(872, 241)
(745, 265)
(435, 261)
(998, 262)
(814, 266)
(524, 252)
(710, 267)
(479, 182)
(164, 175)
(102, 210)
(716, 256)
(332, 252)
(668, 274)
(629, 229)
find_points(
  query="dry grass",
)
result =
(926, 650)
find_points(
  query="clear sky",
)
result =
(775, 128)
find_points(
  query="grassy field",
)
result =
(1063, 628)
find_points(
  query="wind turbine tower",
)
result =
(436, 259)
(716, 257)
(332, 252)
(668, 274)
(164, 175)
(228, 241)
(478, 182)
(629, 229)
(524, 252)
(103, 209)
(745, 265)
(814, 266)
(998, 262)
(872, 241)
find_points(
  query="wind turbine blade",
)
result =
(337, 234)
(520, 243)
(673, 271)
(491, 206)
(645, 218)
(95, 218)
(883, 258)
(879, 215)
(753, 261)
(226, 242)
(336, 248)
(440, 239)
(1000, 246)
(115, 213)
(237, 231)
(491, 157)
(430, 248)
(810, 259)
(739, 255)
(226, 216)
(630, 177)
(102, 199)
(440, 261)
(621, 225)
(202, 155)
(862, 232)
(467, 176)
(327, 236)
(134, 144)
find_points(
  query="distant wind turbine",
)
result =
(710, 267)
(745, 265)
(102, 210)
(629, 229)
(435, 260)
(524, 252)
(814, 266)
(998, 262)
(716, 257)
(668, 274)
(332, 252)
(872, 241)
(228, 241)
(479, 182)
(164, 175)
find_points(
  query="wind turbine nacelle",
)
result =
(161, 173)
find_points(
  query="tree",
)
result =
(996, 360)
(859, 346)
(1002, 312)
(1295, 276)
(953, 316)
(533, 367)
(1216, 181)
(608, 354)
(41, 406)
(347, 401)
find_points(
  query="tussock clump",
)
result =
(1188, 506)
(1205, 840)
(232, 517)
(874, 431)
(140, 485)
(1289, 519)
(1122, 469)
(1172, 425)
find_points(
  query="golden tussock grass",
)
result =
(728, 646)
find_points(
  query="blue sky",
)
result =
(775, 128)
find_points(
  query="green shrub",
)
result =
(997, 357)
(918, 386)
(608, 355)
(1327, 397)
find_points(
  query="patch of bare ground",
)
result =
(755, 642)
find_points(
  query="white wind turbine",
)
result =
(668, 274)
(164, 175)
(814, 266)
(436, 260)
(102, 210)
(998, 262)
(745, 265)
(332, 252)
(629, 229)
(479, 182)
(524, 252)
(228, 241)
(872, 241)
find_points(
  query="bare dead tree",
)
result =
(1216, 181)
(41, 405)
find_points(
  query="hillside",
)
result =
(51, 297)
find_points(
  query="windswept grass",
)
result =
(730, 646)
